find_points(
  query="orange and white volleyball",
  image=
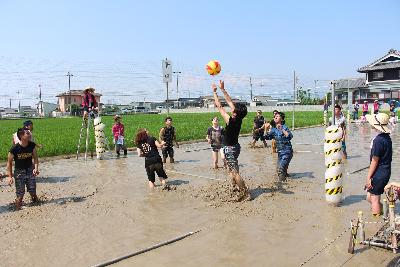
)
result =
(213, 67)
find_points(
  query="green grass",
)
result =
(60, 135)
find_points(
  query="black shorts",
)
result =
(258, 136)
(378, 185)
(152, 169)
(215, 148)
(168, 151)
(86, 109)
(365, 113)
(376, 111)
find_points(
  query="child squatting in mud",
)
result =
(231, 146)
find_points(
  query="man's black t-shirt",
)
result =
(23, 155)
(150, 151)
(258, 122)
(232, 130)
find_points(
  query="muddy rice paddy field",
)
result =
(95, 211)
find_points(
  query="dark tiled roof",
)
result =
(351, 83)
(377, 65)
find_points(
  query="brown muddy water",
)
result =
(95, 211)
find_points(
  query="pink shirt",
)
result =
(365, 107)
(118, 129)
(376, 106)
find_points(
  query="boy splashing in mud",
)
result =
(231, 148)
(25, 170)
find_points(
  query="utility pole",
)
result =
(19, 102)
(251, 90)
(294, 96)
(69, 90)
(40, 106)
(177, 85)
(315, 89)
(333, 83)
(10, 102)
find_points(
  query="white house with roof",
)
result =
(381, 81)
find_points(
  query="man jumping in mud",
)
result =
(231, 146)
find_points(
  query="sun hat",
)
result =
(376, 100)
(117, 117)
(365, 101)
(379, 121)
(89, 88)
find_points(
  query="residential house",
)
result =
(73, 97)
(381, 82)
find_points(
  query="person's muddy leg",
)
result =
(171, 155)
(125, 150)
(164, 154)
(215, 159)
(34, 198)
(151, 185)
(239, 181)
(375, 204)
(151, 176)
(18, 202)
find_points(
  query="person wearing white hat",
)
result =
(380, 161)
(89, 102)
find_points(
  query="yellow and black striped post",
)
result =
(333, 165)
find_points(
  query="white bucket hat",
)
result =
(379, 121)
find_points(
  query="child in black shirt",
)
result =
(25, 171)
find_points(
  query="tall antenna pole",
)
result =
(251, 90)
(40, 106)
(69, 90)
(294, 96)
(177, 85)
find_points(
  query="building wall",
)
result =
(63, 101)
(389, 74)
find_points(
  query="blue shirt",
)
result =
(282, 142)
(382, 148)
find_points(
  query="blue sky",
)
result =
(117, 46)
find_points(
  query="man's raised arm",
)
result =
(218, 105)
(227, 97)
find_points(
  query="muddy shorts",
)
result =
(215, 148)
(378, 185)
(154, 168)
(168, 151)
(258, 136)
(24, 177)
(231, 154)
